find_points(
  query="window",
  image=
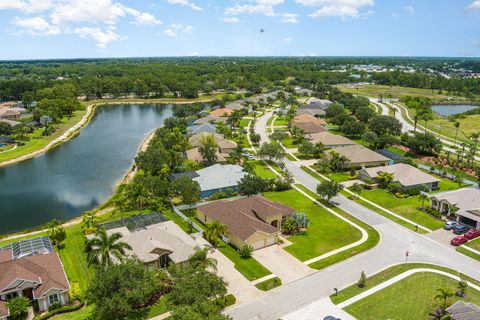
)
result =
(53, 298)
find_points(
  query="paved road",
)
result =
(395, 241)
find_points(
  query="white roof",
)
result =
(405, 174)
(219, 176)
(148, 243)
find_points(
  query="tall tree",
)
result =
(103, 248)
(213, 231)
(208, 148)
(329, 189)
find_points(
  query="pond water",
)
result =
(447, 110)
(79, 174)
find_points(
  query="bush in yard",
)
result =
(75, 291)
(362, 280)
(301, 220)
(18, 307)
(413, 191)
(55, 305)
(288, 226)
(394, 187)
(329, 189)
(246, 252)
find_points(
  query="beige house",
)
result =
(408, 176)
(31, 268)
(309, 119)
(222, 112)
(360, 156)
(210, 119)
(224, 145)
(254, 220)
(467, 200)
(329, 140)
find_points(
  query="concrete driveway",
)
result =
(442, 236)
(317, 311)
(281, 263)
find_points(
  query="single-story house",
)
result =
(312, 112)
(206, 127)
(155, 240)
(309, 119)
(360, 156)
(10, 114)
(31, 268)
(235, 105)
(216, 178)
(315, 103)
(254, 221)
(9, 104)
(408, 176)
(210, 119)
(195, 155)
(329, 140)
(462, 310)
(309, 127)
(303, 92)
(467, 200)
(224, 145)
(222, 112)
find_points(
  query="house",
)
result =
(315, 103)
(329, 140)
(206, 127)
(462, 310)
(195, 155)
(10, 114)
(309, 123)
(303, 92)
(309, 119)
(31, 268)
(310, 111)
(467, 200)
(360, 156)
(216, 178)
(224, 145)
(408, 176)
(155, 240)
(222, 112)
(235, 105)
(210, 119)
(9, 104)
(254, 221)
(10, 122)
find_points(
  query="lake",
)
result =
(447, 110)
(79, 174)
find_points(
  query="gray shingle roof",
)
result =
(219, 176)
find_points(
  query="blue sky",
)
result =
(39, 29)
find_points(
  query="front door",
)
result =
(28, 293)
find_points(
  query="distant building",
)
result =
(224, 145)
(10, 114)
(31, 268)
(329, 140)
(360, 156)
(210, 119)
(206, 127)
(223, 112)
(303, 92)
(9, 104)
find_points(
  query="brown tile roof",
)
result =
(329, 139)
(45, 269)
(195, 155)
(221, 112)
(3, 309)
(195, 140)
(5, 255)
(309, 127)
(244, 217)
(308, 118)
(210, 118)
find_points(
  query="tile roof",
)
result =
(308, 118)
(329, 139)
(462, 310)
(210, 118)
(222, 112)
(219, 176)
(44, 269)
(464, 198)
(405, 174)
(360, 154)
(309, 127)
(3, 309)
(204, 127)
(195, 140)
(195, 155)
(312, 112)
(244, 217)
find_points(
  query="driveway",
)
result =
(442, 236)
(281, 263)
(317, 311)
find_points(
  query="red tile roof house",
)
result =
(254, 220)
(32, 269)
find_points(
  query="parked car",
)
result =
(450, 224)
(460, 229)
(459, 240)
(472, 234)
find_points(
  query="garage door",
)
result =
(258, 244)
(270, 240)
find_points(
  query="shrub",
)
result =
(18, 307)
(55, 305)
(246, 252)
(64, 309)
(413, 191)
(394, 187)
(362, 280)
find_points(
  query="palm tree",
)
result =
(385, 178)
(443, 295)
(213, 231)
(208, 148)
(201, 259)
(89, 222)
(103, 248)
(424, 198)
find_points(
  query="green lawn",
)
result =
(326, 232)
(280, 121)
(405, 207)
(288, 143)
(468, 253)
(410, 298)
(262, 170)
(38, 141)
(474, 244)
(81, 314)
(339, 176)
(374, 90)
(269, 284)
(244, 122)
(250, 268)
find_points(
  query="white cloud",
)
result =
(101, 37)
(181, 27)
(474, 6)
(35, 26)
(337, 8)
(185, 3)
(409, 9)
(264, 7)
(94, 19)
(194, 54)
(170, 33)
(289, 18)
(287, 40)
(231, 20)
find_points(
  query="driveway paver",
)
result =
(281, 263)
(317, 311)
